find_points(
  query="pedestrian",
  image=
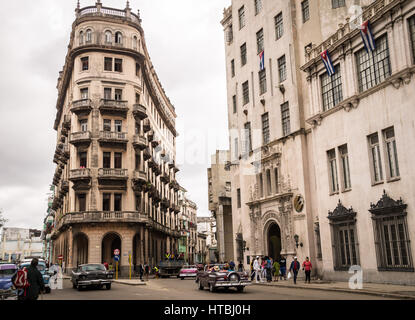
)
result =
(146, 270)
(232, 266)
(257, 268)
(35, 282)
(307, 268)
(140, 271)
(295, 266)
(268, 267)
(283, 268)
(251, 267)
(276, 270)
(240, 267)
(106, 265)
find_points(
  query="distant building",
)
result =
(207, 226)
(202, 251)
(17, 244)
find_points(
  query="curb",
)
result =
(373, 293)
(129, 284)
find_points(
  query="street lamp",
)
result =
(296, 239)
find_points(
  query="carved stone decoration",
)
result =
(396, 82)
(340, 213)
(407, 78)
(386, 205)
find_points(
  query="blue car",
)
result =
(7, 290)
(43, 270)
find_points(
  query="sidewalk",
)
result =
(376, 289)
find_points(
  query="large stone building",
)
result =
(115, 179)
(310, 153)
(18, 243)
(220, 206)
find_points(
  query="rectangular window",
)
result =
(373, 68)
(260, 40)
(85, 63)
(345, 245)
(241, 14)
(285, 117)
(106, 202)
(234, 104)
(137, 161)
(238, 195)
(137, 98)
(262, 81)
(84, 125)
(276, 180)
(334, 181)
(282, 68)
(331, 88)
(117, 202)
(233, 68)
(337, 3)
(261, 185)
(376, 160)
(118, 65)
(118, 125)
(107, 125)
(245, 92)
(265, 128)
(138, 202)
(258, 6)
(248, 140)
(118, 94)
(391, 152)
(229, 34)
(345, 167)
(137, 69)
(243, 54)
(107, 64)
(84, 93)
(236, 149)
(106, 160)
(411, 22)
(279, 26)
(118, 160)
(82, 202)
(107, 93)
(305, 8)
(82, 160)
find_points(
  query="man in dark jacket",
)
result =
(295, 266)
(35, 279)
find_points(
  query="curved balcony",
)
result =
(81, 107)
(112, 174)
(146, 154)
(150, 136)
(114, 107)
(146, 125)
(67, 121)
(152, 163)
(113, 138)
(155, 143)
(80, 174)
(139, 112)
(165, 178)
(139, 142)
(79, 138)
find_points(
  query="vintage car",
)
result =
(92, 275)
(41, 266)
(217, 276)
(188, 272)
(7, 289)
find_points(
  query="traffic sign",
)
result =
(117, 258)
(60, 257)
(116, 252)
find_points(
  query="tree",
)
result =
(2, 220)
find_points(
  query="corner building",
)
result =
(115, 179)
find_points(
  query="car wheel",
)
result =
(79, 287)
(200, 285)
(240, 289)
(108, 286)
(74, 286)
(47, 290)
(182, 278)
(212, 288)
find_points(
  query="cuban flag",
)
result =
(262, 60)
(327, 63)
(367, 36)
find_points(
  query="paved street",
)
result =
(175, 289)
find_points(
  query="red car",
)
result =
(188, 272)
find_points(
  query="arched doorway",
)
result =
(110, 242)
(80, 252)
(274, 242)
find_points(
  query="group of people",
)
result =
(267, 269)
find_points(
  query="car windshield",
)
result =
(7, 272)
(93, 267)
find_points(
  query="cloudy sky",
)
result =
(185, 41)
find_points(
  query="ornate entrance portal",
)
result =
(110, 242)
(274, 242)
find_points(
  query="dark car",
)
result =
(218, 276)
(88, 275)
(7, 271)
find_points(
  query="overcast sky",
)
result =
(185, 42)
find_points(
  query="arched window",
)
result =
(81, 38)
(88, 36)
(135, 43)
(108, 37)
(118, 38)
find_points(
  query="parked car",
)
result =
(217, 276)
(87, 275)
(188, 272)
(7, 289)
(41, 266)
(168, 268)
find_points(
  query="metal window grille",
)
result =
(334, 181)
(392, 153)
(241, 14)
(245, 92)
(243, 54)
(285, 116)
(411, 22)
(248, 140)
(234, 104)
(345, 167)
(265, 128)
(331, 88)
(374, 67)
(108, 64)
(233, 68)
(279, 26)
(260, 40)
(305, 8)
(258, 6)
(262, 81)
(345, 245)
(118, 65)
(337, 3)
(282, 68)
(375, 158)
(85, 63)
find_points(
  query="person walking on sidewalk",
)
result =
(276, 270)
(295, 266)
(283, 268)
(257, 268)
(146, 270)
(141, 271)
(307, 268)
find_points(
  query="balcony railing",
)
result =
(140, 142)
(111, 173)
(139, 112)
(117, 137)
(113, 105)
(81, 106)
(80, 137)
(77, 174)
